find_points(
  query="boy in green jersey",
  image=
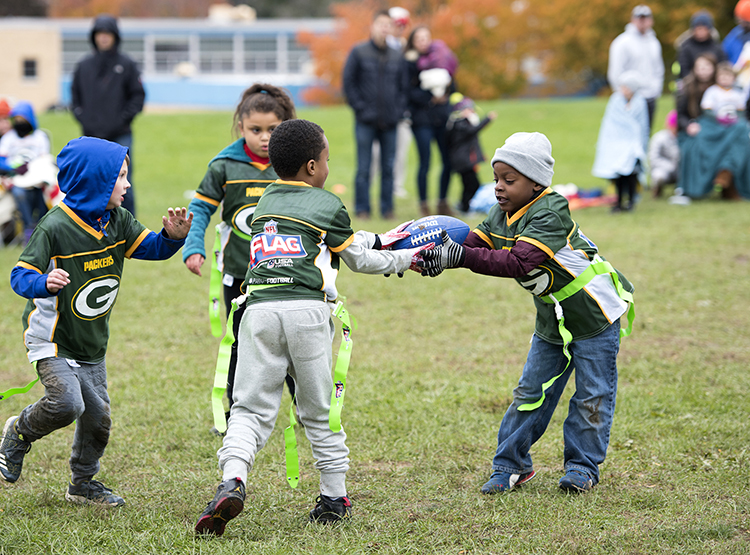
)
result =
(529, 235)
(70, 271)
(300, 232)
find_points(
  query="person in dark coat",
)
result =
(375, 87)
(702, 38)
(462, 135)
(107, 92)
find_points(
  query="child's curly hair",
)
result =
(264, 98)
(293, 144)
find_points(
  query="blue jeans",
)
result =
(592, 407)
(423, 136)
(365, 135)
(29, 201)
(128, 202)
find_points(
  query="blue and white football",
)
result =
(429, 230)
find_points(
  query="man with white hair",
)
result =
(638, 49)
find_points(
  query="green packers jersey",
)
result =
(75, 323)
(546, 223)
(236, 187)
(297, 231)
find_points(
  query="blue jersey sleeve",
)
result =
(196, 239)
(157, 246)
(29, 284)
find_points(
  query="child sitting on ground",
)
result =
(664, 155)
(529, 235)
(300, 232)
(462, 136)
(70, 272)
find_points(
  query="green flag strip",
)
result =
(597, 268)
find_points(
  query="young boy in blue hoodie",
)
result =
(70, 272)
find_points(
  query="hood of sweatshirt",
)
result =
(105, 23)
(26, 111)
(89, 168)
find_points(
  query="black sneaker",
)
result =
(91, 492)
(12, 451)
(331, 509)
(226, 504)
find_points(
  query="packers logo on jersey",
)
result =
(242, 219)
(538, 281)
(96, 297)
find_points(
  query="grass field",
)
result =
(433, 368)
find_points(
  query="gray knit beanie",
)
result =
(529, 154)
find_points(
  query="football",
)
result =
(429, 230)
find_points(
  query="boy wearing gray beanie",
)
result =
(529, 235)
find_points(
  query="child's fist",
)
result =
(56, 280)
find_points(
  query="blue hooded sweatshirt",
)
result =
(89, 169)
(26, 111)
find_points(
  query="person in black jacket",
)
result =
(107, 92)
(702, 38)
(462, 135)
(375, 87)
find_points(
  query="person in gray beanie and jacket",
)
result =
(529, 235)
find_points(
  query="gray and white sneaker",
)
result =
(92, 492)
(12, 451)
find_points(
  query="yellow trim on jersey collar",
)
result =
(297, 183)
(522, 211)
(86, 227)
(261, 167)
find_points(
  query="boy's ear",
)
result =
(311, 166)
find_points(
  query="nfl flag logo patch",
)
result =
(271, 227)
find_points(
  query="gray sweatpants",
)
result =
(277, 338)
(73, 392)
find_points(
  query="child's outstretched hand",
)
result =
(178, 223)
(56, 280)
(492, 115)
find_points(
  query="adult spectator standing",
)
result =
(107, 92)
(639, 50)
(702, 38)
(735, 40)
(375, 87)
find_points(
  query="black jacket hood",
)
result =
(105, 23)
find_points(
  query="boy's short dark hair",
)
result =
(293, 144)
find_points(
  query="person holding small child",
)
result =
(462, 137)
(623, 140)
(579, 297)
(715, 143)
(287, 326)
(70, 271)
(235, 180)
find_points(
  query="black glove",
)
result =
(449, 255)
(22, 169)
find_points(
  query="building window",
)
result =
(299, 56)
(261, 54)
(29, 69)
(216, 54)
(170, 52)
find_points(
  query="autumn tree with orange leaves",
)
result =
(494, 38)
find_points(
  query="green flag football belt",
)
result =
(598, 267)
(337, 394)
(16, 390)
(214, 288)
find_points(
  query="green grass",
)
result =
(423, 407)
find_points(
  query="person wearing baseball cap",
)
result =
(735, 41)
(701, 38)
(639, 50)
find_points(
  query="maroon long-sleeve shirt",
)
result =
(514, 263)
